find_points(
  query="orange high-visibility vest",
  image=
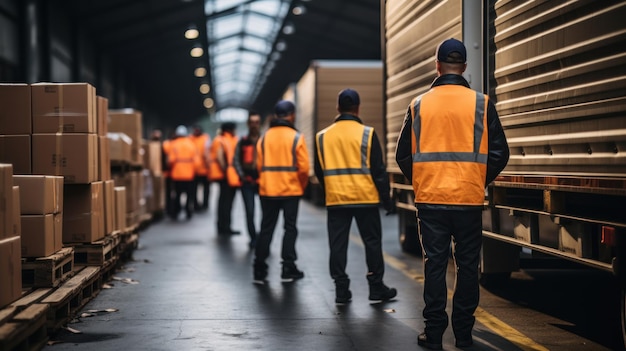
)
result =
(449, 146)
(166, 149)
(200, 141)
(283, 163)
(224, 143)
(344, 150)
(183, 159)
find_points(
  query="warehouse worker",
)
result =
(221, 170)
(245, 164)
(202, 141)
(166, 168)
(183, 159)
(349, 166)
(451, 146)
(283, 165)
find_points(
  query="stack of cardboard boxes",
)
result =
(59, 131)
(41, 209)
(128, 122)
(56, 185)
(153, 177)
(67, 133)
(10, 240)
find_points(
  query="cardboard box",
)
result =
(10, 270)
(119, 147)
(130, 180)
(63, 108)
(40, 194)
(58, 231)
(109, 207)
(152, 157)
(15, 114)
(102, 115)
(38, 233)
(15, 149)
(17, 221)
(120, 208)
(104, 161)
(6, 201)
(128, 121)
(73, 156)
(83, 218)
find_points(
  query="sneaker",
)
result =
(382, 293)
(291, 273)
(425, 341)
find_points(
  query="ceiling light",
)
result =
(191, 33)
(289, 29)
(196, 52)
(208, 103)
(281, 46)
(205, 88)
(200, 72)
(299, 10)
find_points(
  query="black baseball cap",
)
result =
(284, 108)
(347, 99)
(449, 46)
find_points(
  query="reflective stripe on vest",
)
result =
(341, 171)
(479, 129)
(292, 168)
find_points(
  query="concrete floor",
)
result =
(189, 289)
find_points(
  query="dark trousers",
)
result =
(271, 208)
(181, 187)
(225, 206)
(248, 194)
(368, 222)
(436, 230)
(169, 197)
(203, 182)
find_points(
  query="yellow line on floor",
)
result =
(485, 318)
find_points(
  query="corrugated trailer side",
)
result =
(412, 31)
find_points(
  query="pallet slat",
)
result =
(48, 271)
(97, 253)
(26, 331)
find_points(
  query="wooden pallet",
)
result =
(48, 271)
(26, 330)
(71, 296)
(97, 253)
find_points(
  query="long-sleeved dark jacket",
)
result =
(498, 148)
(377, 165)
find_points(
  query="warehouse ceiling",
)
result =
(251, 50)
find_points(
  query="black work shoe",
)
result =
(462, 343)
(343, 296)
(382, 292)
(291, 273)
(423, 340)
(259, 277)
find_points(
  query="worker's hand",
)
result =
(390, 207)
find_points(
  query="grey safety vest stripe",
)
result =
(479, 129)
(294, 162)
(341, 171)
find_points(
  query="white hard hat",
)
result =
(181, 130)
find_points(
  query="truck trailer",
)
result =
(556, 72)
(315, 96)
